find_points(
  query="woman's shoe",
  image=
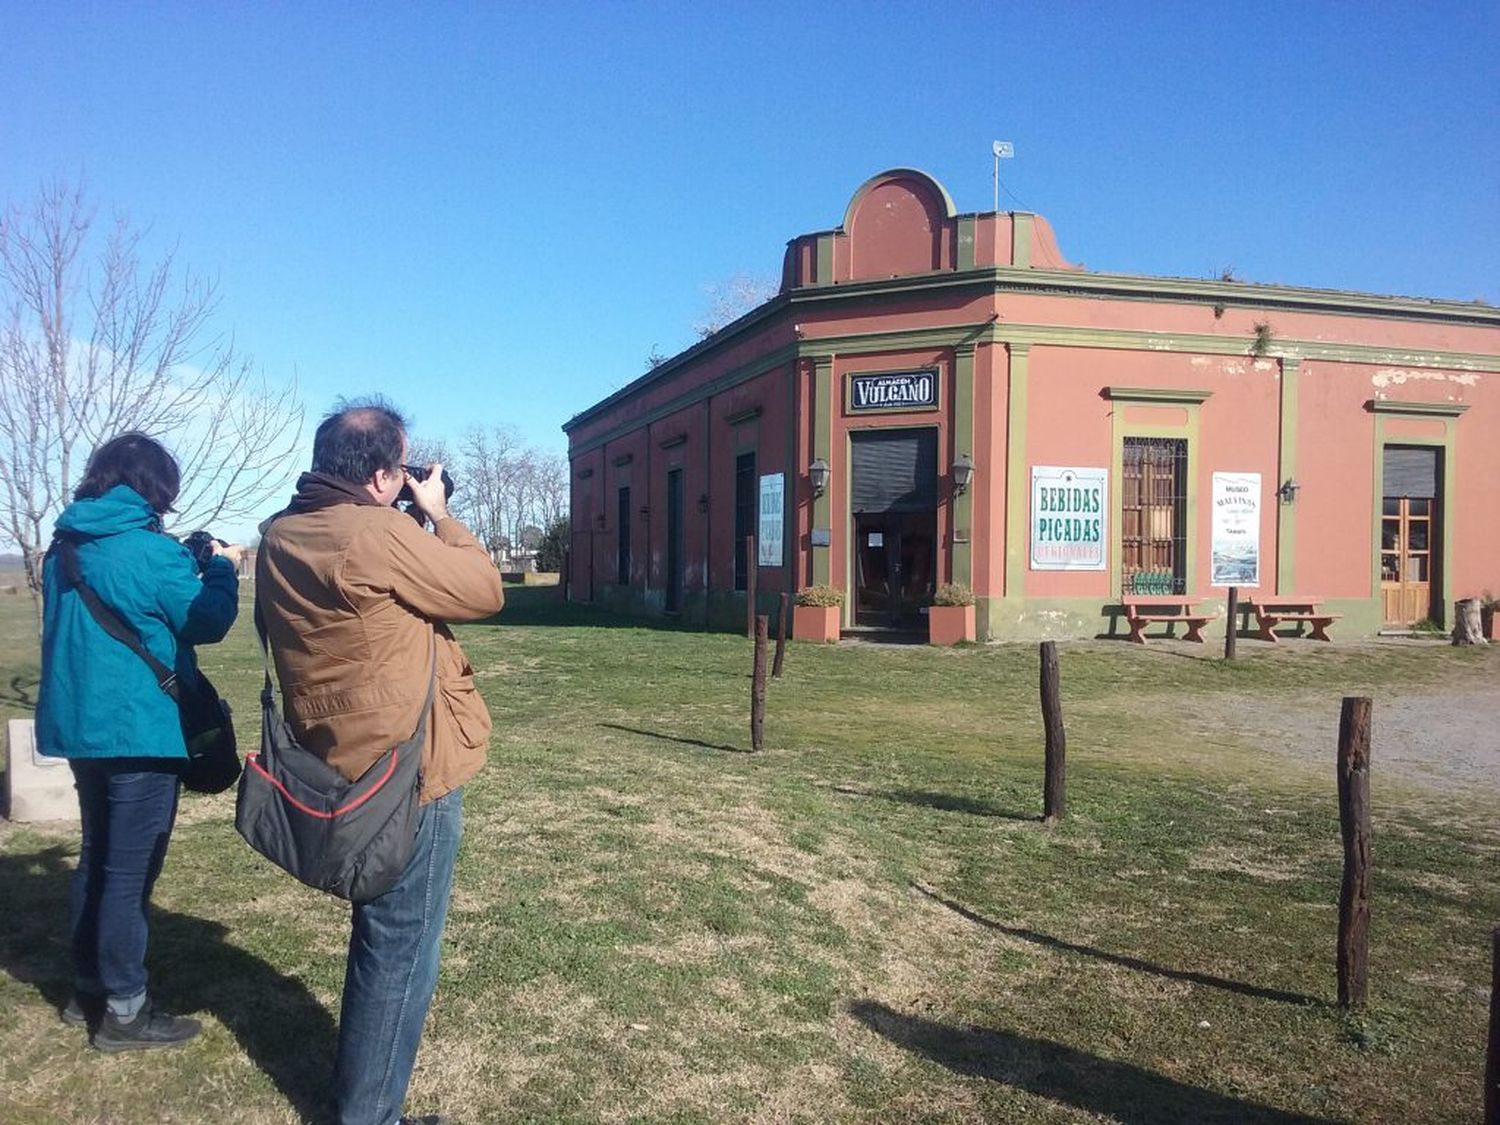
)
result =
(149, 1029)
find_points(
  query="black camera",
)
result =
(200, 545)
(419, 472)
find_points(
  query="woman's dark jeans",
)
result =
(127, 806)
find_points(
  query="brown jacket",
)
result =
(353, 596)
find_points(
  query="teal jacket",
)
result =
(98, 699)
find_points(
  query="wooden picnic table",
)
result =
(1173, 609)
(1272, 610)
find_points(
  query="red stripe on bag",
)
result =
(253, 763)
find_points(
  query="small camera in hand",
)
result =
(200, 545)
(419, 472)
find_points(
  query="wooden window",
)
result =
(622, 538)
(1153, 516)
(746, 508)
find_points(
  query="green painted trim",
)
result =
(1286, 514)
(822, 447)
(1121, 429)
(740, 417)
(1418, 409)
(1155, 394)
(825, 260)
(963, 442)
(1021, 237)
(947, 336)
(966, 251)
(1017, 483)
(1443, 596)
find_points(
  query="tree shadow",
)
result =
(283, 1029)
(674, 738)
(1118, 1091)
(21, 691)
(945, 802)
(1038, 938)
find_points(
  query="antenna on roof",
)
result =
(1003, 150)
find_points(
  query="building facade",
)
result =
(937, 397)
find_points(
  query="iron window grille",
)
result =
(1153, 517)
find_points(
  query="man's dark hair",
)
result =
(358, 439)
(135, 460)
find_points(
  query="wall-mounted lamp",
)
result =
(820, 474)
(703, 502)
(1288, 490)
(963, 473)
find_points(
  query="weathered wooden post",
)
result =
(783, 614)
(1468, 628)
(1055, 790)
(1354, 820)
(1492, 1053)
(758, 685)
(750, 580)
(1234, 622)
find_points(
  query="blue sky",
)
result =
(493, 212)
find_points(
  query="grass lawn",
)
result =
(866, 922)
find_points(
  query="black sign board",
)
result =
(893, 390)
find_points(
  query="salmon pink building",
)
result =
(938, 398)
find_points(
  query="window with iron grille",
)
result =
(746, 508)
(622, 539)
(1153, 516)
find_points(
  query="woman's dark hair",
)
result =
(358, 439)
(135, 460)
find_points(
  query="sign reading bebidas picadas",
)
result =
(893, 390)
(1068, 518)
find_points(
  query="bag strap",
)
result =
(109, 620)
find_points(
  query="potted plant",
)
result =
(1489, 616)
(951, 616)
(818, 614)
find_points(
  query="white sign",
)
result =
(1236, 530)
(772, 520)
(1069, 518)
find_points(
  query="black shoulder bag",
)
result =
(352, 839)
(207, 728)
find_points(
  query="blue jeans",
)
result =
(392, 972)
(127, 806)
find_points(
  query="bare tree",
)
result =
(731, 299)
(94, 342)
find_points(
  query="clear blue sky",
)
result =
(492, 213)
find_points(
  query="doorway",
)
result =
(893, 502)
(674, 541)
(1409, 533)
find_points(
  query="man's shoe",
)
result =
(148, 1030)
(85, 1009)
(428, 1119)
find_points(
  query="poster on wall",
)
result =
(772, 524)
(1068, 518)
(1236, 530)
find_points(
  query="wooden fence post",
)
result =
(751, 576)
(758, 685)
(1492, 1053)
(1234, 622)
(786, 609)
(1354, 821)
(1055, 791)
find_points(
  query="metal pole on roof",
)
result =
(1003, 150)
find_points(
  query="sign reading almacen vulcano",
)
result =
(893, 390)
(1068, 518)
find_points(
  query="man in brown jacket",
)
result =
(355, 595)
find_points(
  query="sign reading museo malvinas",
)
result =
(1068, 511)
(1236, 530)
(769, 543)
(893, 390)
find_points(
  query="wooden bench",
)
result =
(1142, 610)
(1275, 610)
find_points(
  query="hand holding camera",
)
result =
(204, 546)
(426, 491)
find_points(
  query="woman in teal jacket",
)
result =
(100, 707)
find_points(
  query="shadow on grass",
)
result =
(21, 692)
(674, 738)
(542, 606)
(1118, 1091)
(945, 802)
(279, 1024)
(1135, 963)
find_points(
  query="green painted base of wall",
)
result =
(1041, 619)
(718, 612)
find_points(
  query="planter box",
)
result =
(949, 624)
(816, 622)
